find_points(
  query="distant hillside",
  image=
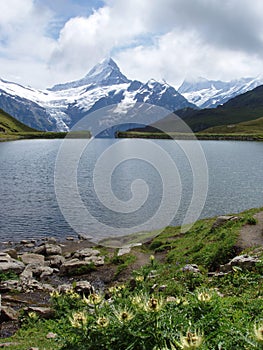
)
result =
(9, 125)
(242, 108)
(249, 127)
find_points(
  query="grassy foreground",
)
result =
(161, 306)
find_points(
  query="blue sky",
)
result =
(65, 9)
(43, 42)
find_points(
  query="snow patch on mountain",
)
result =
(104, 73)
(211, 93)
(63, 105)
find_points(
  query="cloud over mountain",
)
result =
(41, 44)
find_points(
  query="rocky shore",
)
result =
(31, 270)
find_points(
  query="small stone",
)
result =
(162, 287)
(8, 314)
(31, 258)
(69, 238)
(43, 312)
(153, 288)
(171, 299)
(85, 253)
(11, 252)
(67, 255)
(36, 270)
(30, 245)
(63, 288)
(55, 260)
(221, 220)
(153, 274)
(191, 268)
(24, 241)
(13, 299)
(76, 266)
(9, 286)
(241, 261)
(123, 251)
(51, 335)
(53, 249)
(9, 264)
(83, 236)
(96, 260)
(40, 249)
(51, 240)
(84, 287)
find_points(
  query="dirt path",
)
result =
(252, 235)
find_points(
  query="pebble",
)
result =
(51, 335)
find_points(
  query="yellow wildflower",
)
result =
(204, 297)
(93, 299)
(78, 320)
(113, 290)
(69, 291)
(258, 331)
(55, 294)
(185, 302)
(191, 340)
(32, 315)
(139, 278)
(154, 304)
(72, 294)
(124, 315)
(138, 301)
(103, 321)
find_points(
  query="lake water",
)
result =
(112, 199)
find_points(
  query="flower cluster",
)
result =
(191, 341)
(79, 319)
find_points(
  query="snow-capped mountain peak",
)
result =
(62, 106)
(211, 93)
(104, 73)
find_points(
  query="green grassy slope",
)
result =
(248, 127)
(13, 129)
(242, 108)
(9, 124)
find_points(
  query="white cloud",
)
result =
(194, 37)
(176, 56)
(167, 39)
(85, 41)
(25, 46)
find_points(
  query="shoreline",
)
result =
(178, 136)
(46, 135)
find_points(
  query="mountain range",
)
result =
(105, 86)
(211, 93)
(60, 107)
